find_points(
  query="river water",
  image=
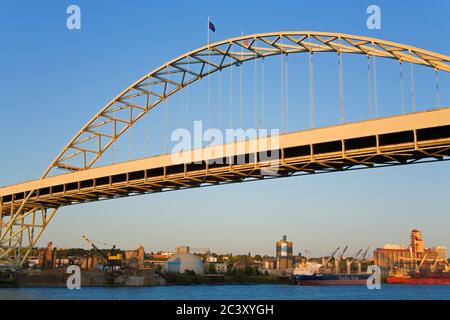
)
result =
(231, 292)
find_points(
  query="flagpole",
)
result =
(240, 86)
(209, 80)
(207, 32)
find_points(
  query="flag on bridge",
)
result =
(211, 26)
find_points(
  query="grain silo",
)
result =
(285, 259)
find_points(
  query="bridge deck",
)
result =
(421, 136)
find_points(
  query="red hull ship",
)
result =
(421, 278)
(416, 264)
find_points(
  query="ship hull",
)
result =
(331, 280)
(408, 280)
(420, 278)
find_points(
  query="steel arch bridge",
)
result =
(23, 218)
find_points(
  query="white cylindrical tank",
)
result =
(181, 262)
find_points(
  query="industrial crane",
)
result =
(439, 259)
(351, 260)
(416, 264)
(338, 259)
(358, 261)
(343, 252)
(365, 253)
(113, 258)
(330, 256)
(354, 259)
(419, 267)
(357, 254)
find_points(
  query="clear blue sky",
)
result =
(53, 80)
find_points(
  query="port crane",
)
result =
(440, 259)
(416, 264)
(343, 252)
(356, 255)
(352, 259)
(360, 260)
(330, 256)
(365, 253)
(337, 260)
(113, 258)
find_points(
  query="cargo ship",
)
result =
(323, 279)
(329, 272)
(414, 264)
(420, 278)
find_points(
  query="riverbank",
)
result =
(58, 279)
(193, 279)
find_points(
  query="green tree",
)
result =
(190, 272)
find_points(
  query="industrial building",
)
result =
(220, 267)
(138, 255)
(413, 257)
(284, 255)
